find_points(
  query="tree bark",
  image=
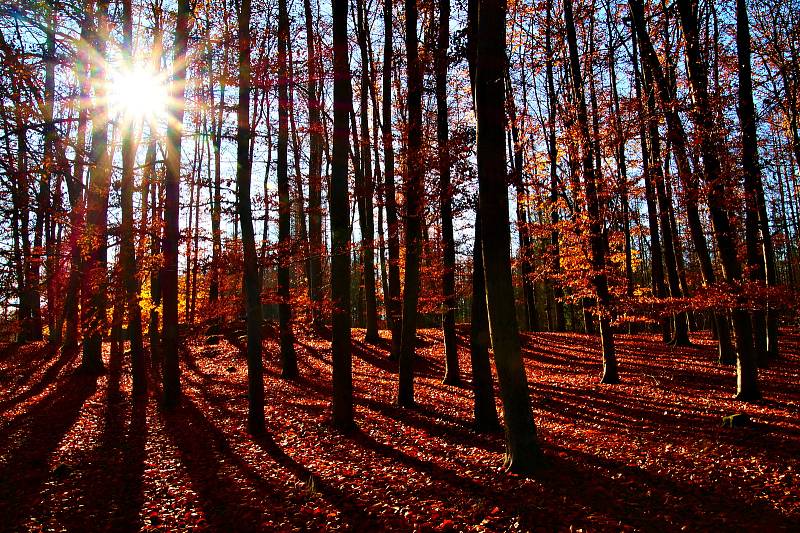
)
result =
(95, 275)
(130, 282)
(394, 310)
(288, 356)
(702, 113)
(252, 283)
(169, 278)
(414, 209)
(522, 450)
(596, 236)
(338, 197)
(451, 375)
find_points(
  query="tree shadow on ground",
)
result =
(36, 435)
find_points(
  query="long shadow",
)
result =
(48, 378)
(456, 482)
(26, 467)
(628, 494)
(371, 355)
(115, 480)
(208, 458)
(355, 517)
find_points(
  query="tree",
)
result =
(702, 113)
(760, 252)
(414, 209)
(342, 405)
(365, 188)
(522, 450)
(314, 168)
(394, 311)
(169, 279)
(596, 237)
(288, 356)
(451, 376)
(94, 274)
(252, 282)
(127, 244)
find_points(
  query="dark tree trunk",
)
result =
(414, 210)
(394, 311)
(95, 275)
(252, 283)
(451, 375)
(169, 279)
(484, 406)
(689, 182)
(724, 230)
(656, 177)
(552, 153)
(522, 449)
(314, 171)
(288, 356)
(366, 191)
(342, 406)
(127, 244)
(760, 253)
(596, 236)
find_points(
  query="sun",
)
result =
(138, 93)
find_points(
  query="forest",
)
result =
(488, 265)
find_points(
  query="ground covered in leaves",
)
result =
(76, 454)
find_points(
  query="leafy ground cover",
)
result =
(650, 454)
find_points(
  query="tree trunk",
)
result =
(314, 171)
(95, 275)
(596, 236)
(451, 375)
(288, 357)
(522, 449)
(365, 192)
(760, 254)
(130, 282)
(552, 153)
(252, 283)
(702, 113)
(169, 282)
(689, 182)
(338, 197)
(414, 209)
(484, 405)
(394, 311)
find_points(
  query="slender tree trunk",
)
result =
(252, 283)
(485, 409)
(451, 376)
(760, 253)
(338, 197)
(689, 182)
(596, 236)
(95, 275)
(414, 209)
(366, 190)
(314, 170)
(394, 311)
(552, 151)
(169, 279)
(656, 176)
(130, 282)
(288, 357)
(724, 230)
(522, 449)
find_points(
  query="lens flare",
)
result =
(138, 93)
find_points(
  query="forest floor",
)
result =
(649, 454)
